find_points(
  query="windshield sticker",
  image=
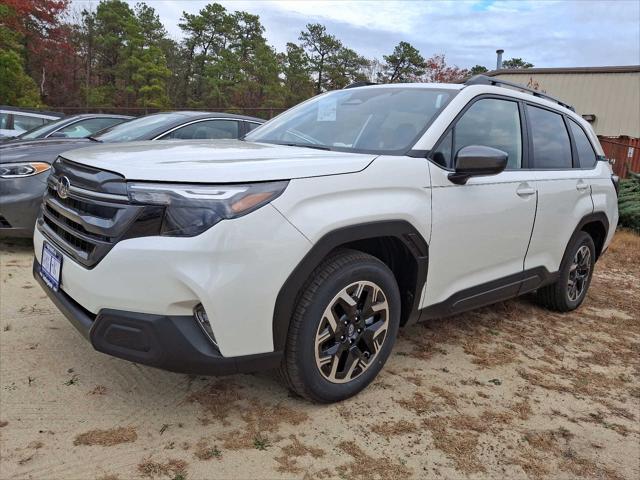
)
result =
(327, 109)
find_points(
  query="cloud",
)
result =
(546, 33)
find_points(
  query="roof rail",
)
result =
(359, 84)
(485, 80)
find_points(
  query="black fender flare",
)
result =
(600, 217)
(287, 296)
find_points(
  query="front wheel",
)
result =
(343, 328)
(576, 270)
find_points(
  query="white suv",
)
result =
(307, 245)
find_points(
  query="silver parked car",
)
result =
(75, 126)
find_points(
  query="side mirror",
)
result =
(57, 135)
(477, 160)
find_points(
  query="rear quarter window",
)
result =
(586, 154)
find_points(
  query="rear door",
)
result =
(480, 230)
(564, 191)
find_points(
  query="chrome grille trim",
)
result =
(87, 223)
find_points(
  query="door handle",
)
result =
(581, 185)
(525, 190)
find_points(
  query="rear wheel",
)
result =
(576, 270)
(343, 329)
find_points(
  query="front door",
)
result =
(480, 230)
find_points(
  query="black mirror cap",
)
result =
(477, 160)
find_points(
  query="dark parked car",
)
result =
(76, 126)
(23, 164)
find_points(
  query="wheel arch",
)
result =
(596, 224)
(391, 241)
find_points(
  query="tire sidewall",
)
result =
(373, 271)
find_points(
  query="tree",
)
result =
(438, 71)
(345, 67)
(320, 46)
(16, 87)
(478, 70)
(516, 63)
(405, 64)
(296, 69)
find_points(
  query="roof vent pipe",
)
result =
(499, 60)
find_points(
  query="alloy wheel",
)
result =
(579, 273)
(351, 332)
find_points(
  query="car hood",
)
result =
(38, 150)
(213, 161)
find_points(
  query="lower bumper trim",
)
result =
(174, 343)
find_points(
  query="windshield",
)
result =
(42, 130)
(138, 129)
(367, 120)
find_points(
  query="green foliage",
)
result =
(119, 55)
(478, 70)
(320, 48)
(16, 87)
(516, 63)
(629, 203)
(405, 64)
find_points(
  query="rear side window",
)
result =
(551, 146)
(88, 127)
(489, 122)
(586, 154)
(207, 130)
(23, 122)
(4, 120)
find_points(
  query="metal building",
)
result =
(608, 97)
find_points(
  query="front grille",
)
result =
(4, 223)
(95, 215)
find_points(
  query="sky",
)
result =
(546, 33)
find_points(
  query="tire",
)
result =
(341, 289)
(559, 296)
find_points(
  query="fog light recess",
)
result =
(201, 317)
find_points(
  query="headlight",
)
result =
(192, 209)
(24, 169)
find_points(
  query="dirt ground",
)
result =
(509, 391)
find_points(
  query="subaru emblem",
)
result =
(64, 185)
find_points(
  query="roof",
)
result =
(201, 114)
(439, 86)
(608, 69)
(32, 110)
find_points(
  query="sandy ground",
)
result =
(510, 391)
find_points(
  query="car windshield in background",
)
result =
(138, 129)
(43, 130)
(368, 120)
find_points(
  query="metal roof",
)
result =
(610, 69)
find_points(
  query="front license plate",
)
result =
(51, 266)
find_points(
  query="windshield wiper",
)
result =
(307, 145)
(93, 139)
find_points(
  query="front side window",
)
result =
(24, 122)
(489, 122)
(87, 127)
(381, 120)
(205, 130)
(551, 146)
(586, 154)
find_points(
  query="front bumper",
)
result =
(235, 270)
(21, 200)
(174, 343)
